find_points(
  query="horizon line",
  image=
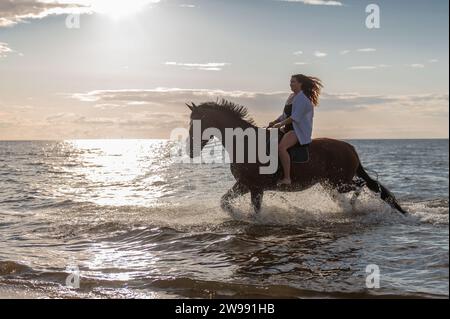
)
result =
(167, 139)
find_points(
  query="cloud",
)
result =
(317, 2)
(213, 66)
(366, 50)
(174, 99)
(162, 96)
(187, 5)
(298, 53)
(339, 115)
(141, 122)
(21, 107)
(417, 65)
(369, 67)
(16, 11)
(433, 61)
(301, 63)
(4, 50)
(153, 113)
(432, 104)
(363, 67)
(344, 52)
(62, 117)
(320, 54)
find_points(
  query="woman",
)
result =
(297, 118)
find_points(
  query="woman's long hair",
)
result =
(311, 87)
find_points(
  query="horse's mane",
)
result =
(236, 111)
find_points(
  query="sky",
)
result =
(74, 69)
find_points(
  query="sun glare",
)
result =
(119, 8)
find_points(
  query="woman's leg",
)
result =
(289, 139)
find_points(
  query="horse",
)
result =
(332, 163)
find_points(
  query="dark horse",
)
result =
(332, 163)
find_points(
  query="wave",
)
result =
(51, 285)
(192, 288)
(312, 208)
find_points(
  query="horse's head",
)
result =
(215, 117)
(200, 115)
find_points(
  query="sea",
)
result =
(126, 219)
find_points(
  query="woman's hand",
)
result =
(277, 125)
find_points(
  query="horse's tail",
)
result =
(376, 187)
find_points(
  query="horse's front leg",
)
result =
(257, 197)
(238, 189)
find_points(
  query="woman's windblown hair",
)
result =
(311, 87)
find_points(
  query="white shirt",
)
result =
(302, 117)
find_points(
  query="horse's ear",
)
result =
(192, 106)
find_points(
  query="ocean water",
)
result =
(125, 220)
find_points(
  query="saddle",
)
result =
(298, 153)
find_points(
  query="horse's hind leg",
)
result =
(355, 186)
(359, 183)
(257, 196)
(238, 189)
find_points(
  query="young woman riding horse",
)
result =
(334, 164)
(297, 118)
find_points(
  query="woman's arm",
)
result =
(283, 123)
(283, 116)
(279, 119)
(299, 109)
